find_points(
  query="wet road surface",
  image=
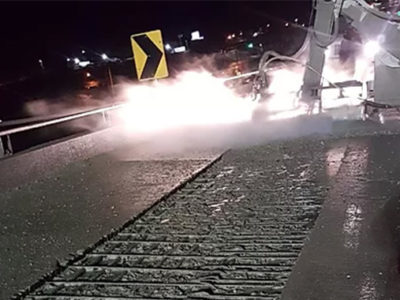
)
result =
(45, 220)
(310, 218)
(235, 232)
(354, 249)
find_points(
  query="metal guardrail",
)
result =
(27, 124)
(5, 140)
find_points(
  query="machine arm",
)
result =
(371, 24)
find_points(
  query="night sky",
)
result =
(55, 30)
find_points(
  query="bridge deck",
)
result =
(311, 218)
(46, 219)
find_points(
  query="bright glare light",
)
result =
(283, 87)
(194, 98)
(104, 56)
(77, 60)
(371, 48)
(168, 47)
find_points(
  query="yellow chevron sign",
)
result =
(149, 55)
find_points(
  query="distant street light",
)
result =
(83, 51)
(110, 77)
(41, 64)
(68, 59)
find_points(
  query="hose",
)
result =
(377, 14)
(276, 56)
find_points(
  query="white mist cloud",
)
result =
(196, 109)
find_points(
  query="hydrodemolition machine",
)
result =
(376, 25)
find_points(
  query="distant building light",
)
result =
(250, 45)
(296, 20)
(196, 36)
(168, 47)
(68, 59)
(286, 24)
(104, 56)
(268, 25)
(88, 74)
(83, 51)
(84, 63)
(255, 34)
(180, 49)
(77, 60)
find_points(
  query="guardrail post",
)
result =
(105, 118)
(5, 146)
(2, 151)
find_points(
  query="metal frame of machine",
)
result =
(373, 26)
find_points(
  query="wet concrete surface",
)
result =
(45, 220)
(353, 251)
(237, 231)
(234, 232)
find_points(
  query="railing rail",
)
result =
(8, 128)
(26, 125)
